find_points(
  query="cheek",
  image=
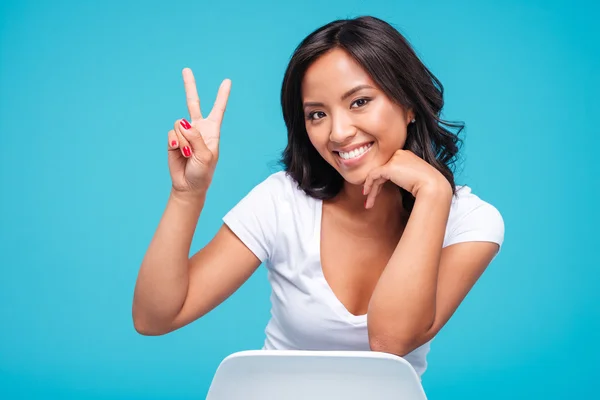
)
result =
(387, 128)
(392, 122)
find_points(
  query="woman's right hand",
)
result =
(194, 147)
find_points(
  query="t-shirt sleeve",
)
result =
(474, 220)
(254, 218)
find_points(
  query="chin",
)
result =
(354, 178)
(357, 173)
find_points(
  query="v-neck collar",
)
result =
(334, 302)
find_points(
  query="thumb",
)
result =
(193, 136)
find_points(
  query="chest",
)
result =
(353, 261)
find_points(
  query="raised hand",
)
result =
(194, 147)
(408, 171)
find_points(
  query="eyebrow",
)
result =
(344, 96)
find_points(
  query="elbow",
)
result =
(145, 327)
(397, 340)
(396, 347)
(398, 332)
(396, 344)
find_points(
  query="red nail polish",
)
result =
(186, 151)
(185, 124)
(174, 143)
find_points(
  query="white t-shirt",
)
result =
(281, 225)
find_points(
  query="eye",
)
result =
(315, 115)
(360, 102)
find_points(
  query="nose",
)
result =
(342, 129)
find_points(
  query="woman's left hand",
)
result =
(408, 171)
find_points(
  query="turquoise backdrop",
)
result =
(89, 90)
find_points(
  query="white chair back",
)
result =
(315, 375)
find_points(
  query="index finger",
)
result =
(191, 94)
(216, 114)
(371, 177)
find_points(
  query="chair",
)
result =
(315, 375)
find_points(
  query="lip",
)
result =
(348, 149)
(353, 161)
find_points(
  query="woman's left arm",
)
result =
(422, 284)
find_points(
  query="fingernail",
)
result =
(185, 124)
(365, 204)
(174, 143)
(186, 151)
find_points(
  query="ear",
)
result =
(410, 115)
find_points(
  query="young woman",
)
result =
(368, 242)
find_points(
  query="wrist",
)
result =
(436, 188)
(188, 197)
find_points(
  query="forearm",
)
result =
(402, 306)
(163, 278)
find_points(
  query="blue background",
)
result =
(89, 90)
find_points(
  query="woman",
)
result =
(368, 242)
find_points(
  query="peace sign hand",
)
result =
(194, 147)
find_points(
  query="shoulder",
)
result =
(465, 202)
(269, 209)
(278, 185)
(473, 219)
(277, 192)
(258, 217)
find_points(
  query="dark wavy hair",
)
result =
(393, 65)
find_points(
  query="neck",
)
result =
(385, 217)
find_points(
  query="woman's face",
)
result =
(350, 121)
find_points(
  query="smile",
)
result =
(351, 157)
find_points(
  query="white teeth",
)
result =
(355, 153)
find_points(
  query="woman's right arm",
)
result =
(172, 290)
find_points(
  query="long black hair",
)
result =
(393, 65)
